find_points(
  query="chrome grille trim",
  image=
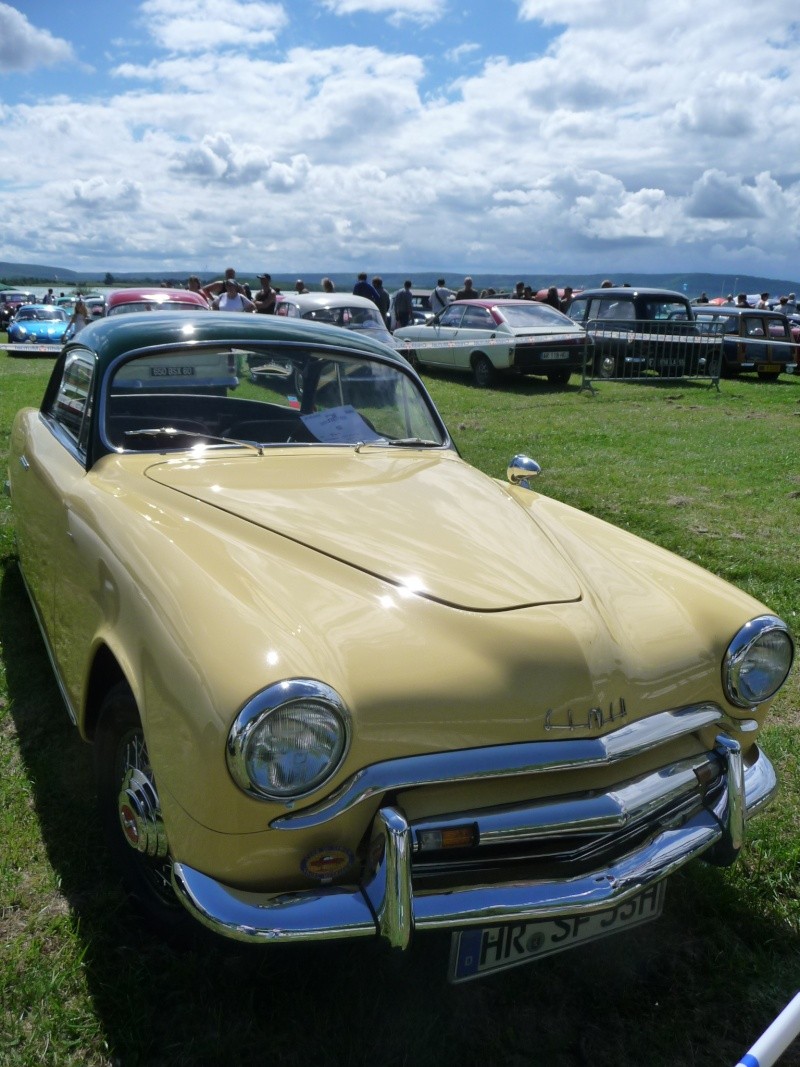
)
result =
(503, 761)
(622, 806)
(386, 905)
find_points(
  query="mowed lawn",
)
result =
(713, 475)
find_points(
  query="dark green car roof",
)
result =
(120, 334)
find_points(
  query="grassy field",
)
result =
(712, 475)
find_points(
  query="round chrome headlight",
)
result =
(288, 740)
(757, 661)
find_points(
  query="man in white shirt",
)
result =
(441, 296)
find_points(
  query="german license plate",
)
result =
(553, 355)
(488, 949)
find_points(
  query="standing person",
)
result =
(300, 286)
(266, 297)
(519, 291)
(441, 296)
(566, 299)
(193, 285)
(403, 306)
(49, 297)
(328, 286)
(469, 292)
(763, 302)
(552, 298)
(383, 297)
(363, 288)
(80, 318)
(216, 288)
(232, 299)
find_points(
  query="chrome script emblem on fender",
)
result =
(595, 718)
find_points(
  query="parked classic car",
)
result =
(11, 300)
(96, 306)
(753, 340)
(491, 336)
(327, 700)
(37, 325)
(121, 301)
(337, 309)
(636, 331)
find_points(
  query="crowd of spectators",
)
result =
(397, 308)
(227, 293)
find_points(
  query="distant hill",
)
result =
(691, 283)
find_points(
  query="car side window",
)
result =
(71, 407)
(451, 316)
(477, 319)
(754, 327)
(613, 309)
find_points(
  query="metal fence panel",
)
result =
(646, 350)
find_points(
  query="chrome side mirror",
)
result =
(521, 469)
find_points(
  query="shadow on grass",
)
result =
(694, 988)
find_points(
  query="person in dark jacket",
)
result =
(403, 306)
(364, 288)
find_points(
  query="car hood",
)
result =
(427, 523)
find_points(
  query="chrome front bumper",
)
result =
(387, 906)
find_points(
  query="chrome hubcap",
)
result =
(139, 807)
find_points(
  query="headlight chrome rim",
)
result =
(736, 656)
(282, 697)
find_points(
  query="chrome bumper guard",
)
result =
(386, 905)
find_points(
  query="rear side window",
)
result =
(71, 406)
(612, 309)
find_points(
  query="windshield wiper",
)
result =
(400, 442)
(415, 442)
(173, 431)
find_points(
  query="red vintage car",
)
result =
(121, 301)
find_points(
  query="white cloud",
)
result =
(719, 196)
(24, 47)
(654, 140)
(421, 12)
(208, 25)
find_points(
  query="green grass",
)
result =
(714, 476)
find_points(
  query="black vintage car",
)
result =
(753, 339)
(643, 331)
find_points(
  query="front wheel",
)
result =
(130, 813)
(483, 371)
(768, 375)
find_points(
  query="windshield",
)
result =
(150, 305)
(674, 310)
(267, 395)
(532, 315)
(42, 314)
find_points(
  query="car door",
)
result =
(61, 576)
(477, 327)
(438, 338)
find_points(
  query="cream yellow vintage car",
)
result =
(339, 683)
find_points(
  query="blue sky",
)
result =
(400, 135)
